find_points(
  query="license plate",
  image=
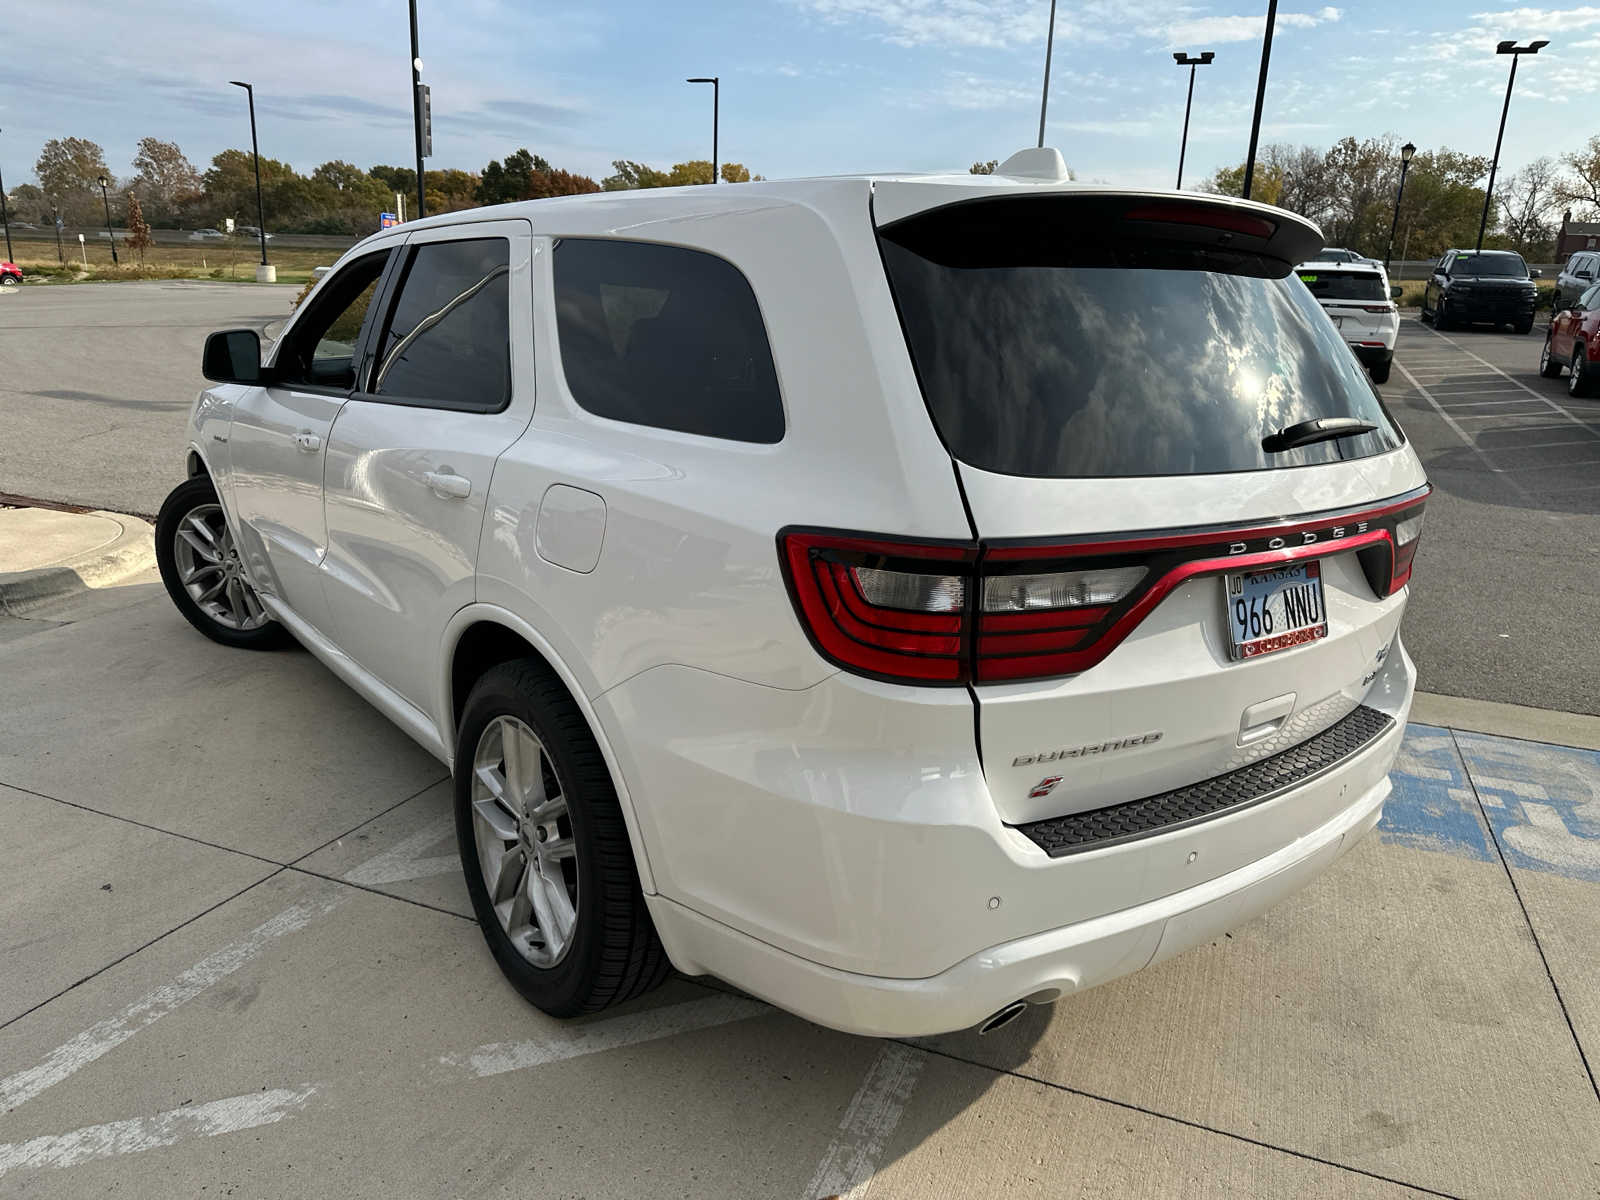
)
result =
(1274, 610)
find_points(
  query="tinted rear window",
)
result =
(667, 337)
(1489, 264)
(1052, 338)
(1344, 285)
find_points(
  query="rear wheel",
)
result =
(201, 568)
(1424, 313)
(9, 281)
(1549, 364)
(546, 852)
(1581, 378)
(1441, 316)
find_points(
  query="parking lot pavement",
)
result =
(96, 381)
(238, 959)
(1508, 581)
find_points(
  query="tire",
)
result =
(191, 565)
(1524, 327)
(1582, 379)
(1424, 313)
(610, 951)
(9, 281)
(1380, 372)
(1549, 364)
(1441, 316)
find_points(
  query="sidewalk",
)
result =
(52, 557)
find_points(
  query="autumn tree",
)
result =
(983, 168)
(629, 175)
(139, 239)
(164, 179)
(70, 170)
(1527, 207)
(1579, 184)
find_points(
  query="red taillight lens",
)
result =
(1379, 308)
(1207, 215)
(1407, 533)
(894, 610)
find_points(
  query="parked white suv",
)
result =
(903, 597)
(1356, 297)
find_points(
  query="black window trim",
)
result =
(560, 363)
(361, 351)
(386, 301)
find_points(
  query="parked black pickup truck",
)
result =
(1473, 286)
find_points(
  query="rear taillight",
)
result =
(947, 612)
(1379, 308)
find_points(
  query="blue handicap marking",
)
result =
(1432, 806)
(1542, 801)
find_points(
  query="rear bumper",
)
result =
(1373, 356)
(1040, 968)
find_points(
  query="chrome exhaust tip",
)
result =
(1004, 1017)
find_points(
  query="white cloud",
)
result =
(1212, 31)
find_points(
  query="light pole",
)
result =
(1516, 52)
(55, 213)
(111, 236)
(1183, 60)
(5, 218)
(416, 109)
(1406, 152)
(255, 151)
(716, 106)
(1261, 95)
(1049, 46)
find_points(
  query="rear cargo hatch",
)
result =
(1355, 301)
(1193, 517)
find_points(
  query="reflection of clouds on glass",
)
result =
(1098, 371)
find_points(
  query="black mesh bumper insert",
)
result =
(1260, 781)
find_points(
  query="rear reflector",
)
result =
(957, 612)
(1209, 216)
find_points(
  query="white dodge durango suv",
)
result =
(906, 598)
(1357, 299)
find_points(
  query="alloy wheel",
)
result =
(210, 570)
(523, 832)
(1575, 378)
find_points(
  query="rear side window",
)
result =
(447, 344)
(667, 337)
(1344, 285)
(1054, 338)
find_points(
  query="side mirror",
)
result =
(1535, 273)
(233, 356)
(1395, 292)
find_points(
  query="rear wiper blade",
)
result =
(1323, 429)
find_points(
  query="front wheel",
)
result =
(200, 566)
(9, 281)
(1549, 364)
(1525, 327)
(548, 863)
(1441, 316)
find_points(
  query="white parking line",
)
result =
(1461, 433)
(1483, 403)
(874, 1114)
(235, 1113)
(1543, 399)
(496, 1058)
(104, 1036)
(400, 861)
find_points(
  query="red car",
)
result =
(10, 274)
(1574, 342)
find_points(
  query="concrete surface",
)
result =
(1508, 720)
(46, 555)
(96, 382)
(283, 996)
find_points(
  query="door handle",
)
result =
(308, 441)
(447, 486)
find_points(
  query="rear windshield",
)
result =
(1489, 264)
(1054, 339)
(1344, 285)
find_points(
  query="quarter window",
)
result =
(447, 344)
(667, 337)
(320, 350)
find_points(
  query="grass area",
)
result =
(234, 259)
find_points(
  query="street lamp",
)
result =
(1183, 60)
(1516, 52)
(716, 105)
(1406, 152)
(55, 214)
(255, 151)
(5, 218)
(1049, 45)
(416, 111)
(111, 236)
(1261, 95)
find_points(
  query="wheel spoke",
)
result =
(509, 871)
(199, 571)
(252, 604)
(552, 909)
(236, 601)
(207, 550)
(195, 523)
(499, 823)
(558, 849)
(513, 752)
(212, 592)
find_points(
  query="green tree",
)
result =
(164, 179)
(1579, 183)
(629, 175)
(29, 203)
(396, 179)
(983, 168)
(70, 170)
(687, 174)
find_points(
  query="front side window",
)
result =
(1054, 338)
(1589, 299)
(667, 337)
(447, 343)
(1344, 285)
(320, 349)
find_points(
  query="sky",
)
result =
(808, 86)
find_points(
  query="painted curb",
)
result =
(132, 553)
